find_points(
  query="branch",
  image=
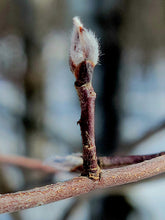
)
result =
(104, 162)
(83, 58)
(4, 188)
(118, 161)
(70, 211)
(152, 131)
(81, 185)
(27, 163)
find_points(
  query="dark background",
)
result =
(39, 106)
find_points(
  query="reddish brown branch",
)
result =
(117, 161)
(81, 185)
(27, 163)
(83, 58)
(87, 98)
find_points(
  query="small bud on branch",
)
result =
(84, 45)
(84, 55)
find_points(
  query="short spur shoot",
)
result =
(84, 53)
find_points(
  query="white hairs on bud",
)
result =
(84, 44)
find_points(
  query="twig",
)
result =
(70, 211)
(4, 188)
(27, 163)
(152, 131)
(83, 58)
(81, 185)
(104, 162)
(87, 99)
(117, 161)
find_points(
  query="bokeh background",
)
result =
(39, 107)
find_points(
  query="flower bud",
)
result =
(84, 45)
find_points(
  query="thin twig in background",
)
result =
(25, 162)
(152, 131)
(104, 162)
(80, 185)
(72, 208)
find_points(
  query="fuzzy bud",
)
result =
(84, 45)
